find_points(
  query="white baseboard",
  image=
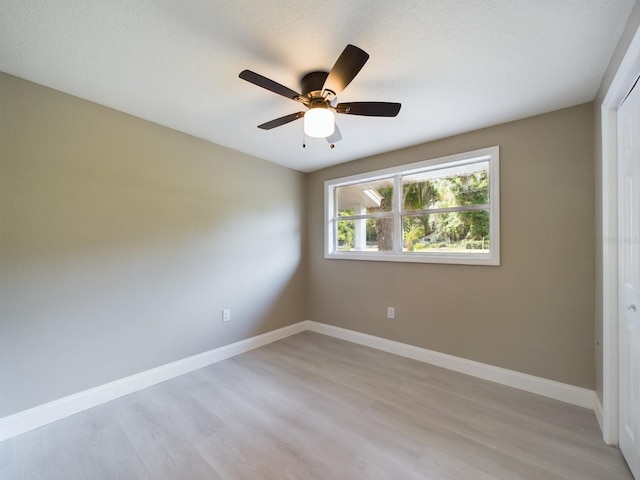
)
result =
(560, 391)
(41, 415)
(597, 409)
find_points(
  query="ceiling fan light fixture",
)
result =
(319, 122)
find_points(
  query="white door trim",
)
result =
(623, 81)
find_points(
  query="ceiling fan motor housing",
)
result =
(312, 84)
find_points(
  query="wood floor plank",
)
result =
(314, 407)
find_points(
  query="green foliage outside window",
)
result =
(346, 231)
(467, 230)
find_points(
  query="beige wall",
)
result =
(633, 23)
(532, 314)
(121, 241)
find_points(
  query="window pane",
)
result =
(461, 232)
(372, 235)
(367, 197)
(345, 230)
(380, 234)
(447, 187)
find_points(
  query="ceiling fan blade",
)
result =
(264, 82)
(369, 109)
(336, 136)
(349, 63)
(281, 121)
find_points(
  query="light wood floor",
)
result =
(313, 407)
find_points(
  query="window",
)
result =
(444, 210)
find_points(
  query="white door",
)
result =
(629, 278)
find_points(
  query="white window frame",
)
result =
(490, 154)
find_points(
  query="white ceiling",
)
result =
(455, 65)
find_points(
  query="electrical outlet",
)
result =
(226, 315)
(391, 312)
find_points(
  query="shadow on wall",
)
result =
(122, 241)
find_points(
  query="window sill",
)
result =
(442, 258)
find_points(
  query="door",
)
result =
(629, 278)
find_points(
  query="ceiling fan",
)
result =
(319, 94)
